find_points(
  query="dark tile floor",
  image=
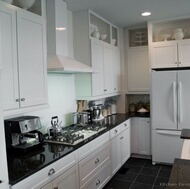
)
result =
(139, 173)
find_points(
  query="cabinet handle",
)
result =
(97, 160)
(97, 182)
(22, 99)
(115, 130)
(17, 100)
(51, 172)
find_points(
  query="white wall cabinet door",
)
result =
(32, 59)
(8, 41)
(144, 136)
(138, 70)
(184, 55)
(108, 69)
(116, 69)
(97, 53)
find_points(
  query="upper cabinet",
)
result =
(96, 45)
(138, 71)
(24, 69)
(169, 43)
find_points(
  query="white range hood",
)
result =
(57, 41)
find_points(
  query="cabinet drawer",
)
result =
(124, 125)
(42, 177)
(100, 179)
(115, 131)
(92, 146)
(89, 166)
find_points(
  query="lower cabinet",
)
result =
(140, 136)
(68, 180)
(120, 145)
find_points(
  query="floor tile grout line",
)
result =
(138, 174)
(156, 177)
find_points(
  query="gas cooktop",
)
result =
(73, 135)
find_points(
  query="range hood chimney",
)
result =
(57, 41)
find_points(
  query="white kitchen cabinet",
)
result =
(140, 136)
(170, 54)
(89, 166)
(116, 69)
(120, 145)
(138, 71)
(167, 53)
(68, 180)
(101, 55)
(51, 172)
(24, 59)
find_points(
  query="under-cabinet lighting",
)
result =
(146, 14)
(60, 29)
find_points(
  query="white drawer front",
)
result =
(89, 166)
(124, 125)
(92, 146)
(41, 178)
(115, 131)
(100, 179)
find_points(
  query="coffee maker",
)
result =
(22, 133)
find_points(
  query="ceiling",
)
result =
(127, 13)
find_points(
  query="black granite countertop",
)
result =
(20, 166)
(180, 175)
(185, 134)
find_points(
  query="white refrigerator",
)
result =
(170, 113)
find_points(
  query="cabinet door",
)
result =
(125, 145)
(115, 154)
(144, 136)
(9, 58)
(68, 180)
(116, 69)
(138, 70)
(48, 186)
(108, 69)
(135, 135)
(32, 59)
(164, 55)
(184, 55)
(97, 52)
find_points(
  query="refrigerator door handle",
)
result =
(167, 132)
(174, 102)
(179, 101)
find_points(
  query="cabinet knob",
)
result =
(115, 89)
(97, 182)
(56, 187)
(97, 160)
(22, 99)
(51, 172)
(125, 124)
(105, 90)
(115, 130)
(121, 138)
(1, 181)
(17, 100)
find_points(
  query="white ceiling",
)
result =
(127, 13)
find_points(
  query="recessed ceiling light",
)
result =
(146, 14)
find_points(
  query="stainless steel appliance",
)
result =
(74, 134)
(22, 133)
(97, 112)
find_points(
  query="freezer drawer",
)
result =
(166, 146)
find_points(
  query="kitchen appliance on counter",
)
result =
(97, 112)
(83, 118)
(22, 133)
(74, 134)
(170, 107)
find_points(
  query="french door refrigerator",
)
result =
(170, 113)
